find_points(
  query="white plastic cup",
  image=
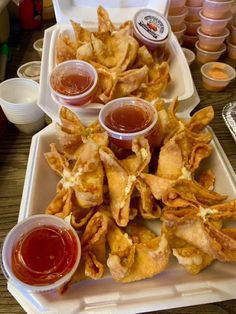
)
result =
(18, 99)
(20, 230)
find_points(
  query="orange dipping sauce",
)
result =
(44, 255)
(217, 73)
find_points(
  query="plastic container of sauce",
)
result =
(217, 75)
(233, 33)
(217, 9)
(231, 49)
(151, 28)
(127, 118)
(193, 14)
(30, 70)
(38, 46)
(189, 40)
(41, 253)
(212, 26)
(194, 3)
(213, 42)
(192, 27)
(204, 56)
(189, 55)
(176, 19)
(73, 82)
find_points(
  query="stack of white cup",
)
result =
(18, 99)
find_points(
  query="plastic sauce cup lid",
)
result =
(152, 26)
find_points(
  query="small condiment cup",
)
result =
(179, 34)
(217, 9)
(30, 70)
(123, 139)
(232, 28)
(177, 20)
(193, 14)
(38, 46)
(25, 227)
(189, 41)
(211, 26)
(204, 56)
(191, 27)
(151, 28)
(194, 3)
(231, 49)
(73, 67)
(213, 42)
(177, 3)
(217, 75)
(189, 55)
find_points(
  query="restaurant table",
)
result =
(14, 150)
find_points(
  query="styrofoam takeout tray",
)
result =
(181, 84)
(172, 288)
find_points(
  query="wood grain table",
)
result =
(14, 150)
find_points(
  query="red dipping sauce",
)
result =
(128, 119)
(44, 255)
(73, 84)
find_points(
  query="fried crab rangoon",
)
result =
(108, 199)
(124, 67)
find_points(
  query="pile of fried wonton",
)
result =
(108, 198)
(124, 66)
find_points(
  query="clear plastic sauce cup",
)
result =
(217, 9)
(74, 82)
(217, 75)
(212, 26)
(127, 118)
(204, 56)
(41, 253)
(213, 42)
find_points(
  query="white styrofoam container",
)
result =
(85, 12)
(172, 288)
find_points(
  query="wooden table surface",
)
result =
(14, 150)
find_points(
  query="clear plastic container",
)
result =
(211, 43)
(38, 46)
(189, 40)
(179, 33)
(19, 237)
(189, 55)
(231, 49)
(194, 3)
(73, 82)
(217, 9)
(123, 138)
(151, 28)
(177, 20)
(212, 26)
(177, 3)
(193, 14)
(192, 27)
(30, 70)
(232, 28)
(217, 75)
(204, 56)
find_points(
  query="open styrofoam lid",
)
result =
(119, 10)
